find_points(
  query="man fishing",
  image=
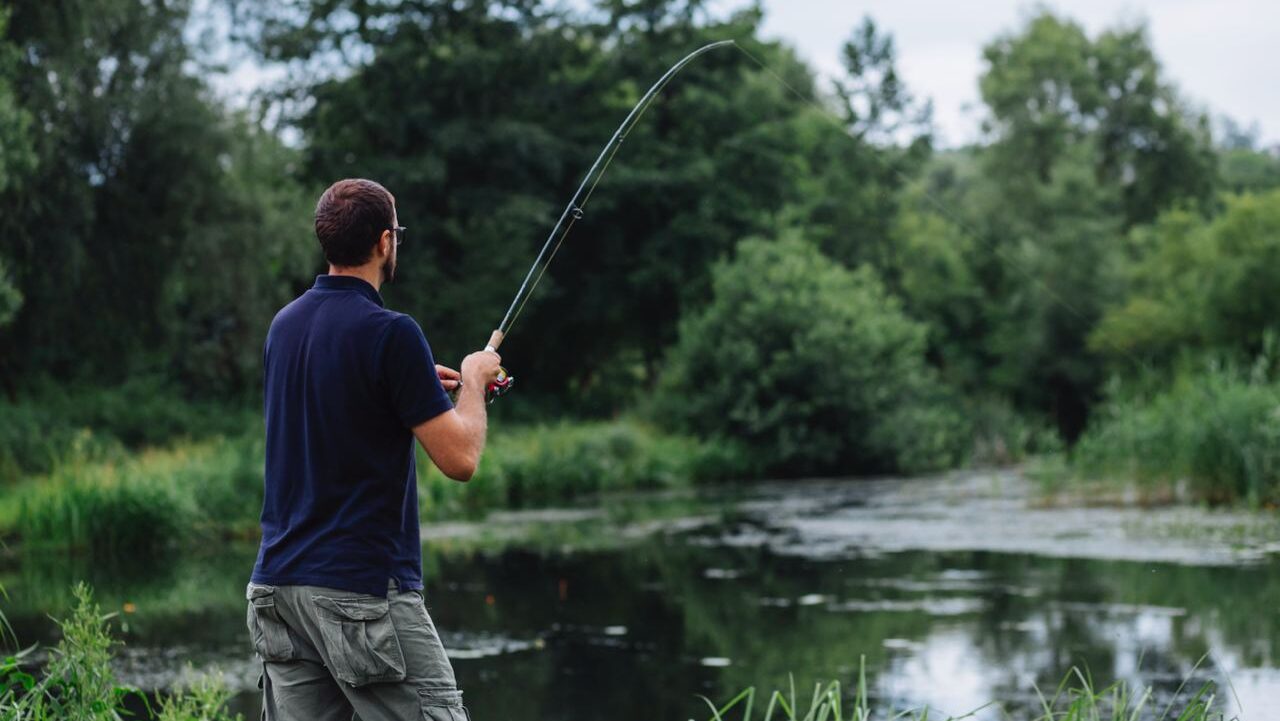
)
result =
(336, 609)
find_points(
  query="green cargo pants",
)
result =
(329, 654)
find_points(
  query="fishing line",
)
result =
(941, 207)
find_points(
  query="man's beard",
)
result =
(389, 269)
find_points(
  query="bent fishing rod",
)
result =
(573, 213)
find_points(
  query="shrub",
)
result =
(811, 367)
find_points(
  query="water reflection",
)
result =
(633, 630)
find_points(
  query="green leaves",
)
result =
(811, 366)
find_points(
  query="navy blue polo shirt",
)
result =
(345, 381)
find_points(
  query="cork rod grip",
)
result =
(495, 340)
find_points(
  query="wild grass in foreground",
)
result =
(77, 682)
(1076, 699)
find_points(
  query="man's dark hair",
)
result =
(350, 218)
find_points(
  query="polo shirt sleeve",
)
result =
(409, 374)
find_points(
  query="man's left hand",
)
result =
(449, 378)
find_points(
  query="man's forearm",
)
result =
(471, 409)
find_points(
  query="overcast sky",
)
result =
(1222, 54)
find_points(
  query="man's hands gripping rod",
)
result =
(455, 439)
(495, 379)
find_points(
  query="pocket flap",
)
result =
(354, 609)
(440, 697)
(254, 592)
(442, 705)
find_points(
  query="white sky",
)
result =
(1222, 54)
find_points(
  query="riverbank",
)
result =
(189, 492)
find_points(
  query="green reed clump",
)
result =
(78, 684)
(1076, 699)
(556, 463)
(1216, 432)
(141, 503)
(103, 508)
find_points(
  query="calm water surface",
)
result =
(955, 591)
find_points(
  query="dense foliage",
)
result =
(811, 366)
(965, 299)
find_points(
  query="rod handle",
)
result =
(495, 340)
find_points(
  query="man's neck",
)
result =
(369, 273)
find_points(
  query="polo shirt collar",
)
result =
(349, 282)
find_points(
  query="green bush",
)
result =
(809, 367)
(1216, 431)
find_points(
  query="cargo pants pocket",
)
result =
(268, 631)
(442, 705)
(360, 639)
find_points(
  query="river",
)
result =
(953, 591)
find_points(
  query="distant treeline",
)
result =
(813, 280)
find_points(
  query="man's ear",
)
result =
(384, 243)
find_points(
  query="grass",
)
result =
(1212, 436)
(1077, 698)
(78, 684)
(140, 503)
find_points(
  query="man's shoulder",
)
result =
(345, 309)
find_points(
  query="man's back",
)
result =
(345, 380)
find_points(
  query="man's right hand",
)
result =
(479, 369)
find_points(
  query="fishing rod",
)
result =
(573, 213)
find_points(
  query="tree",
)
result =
(1200, 285)
(1050, 87)
(854, 173)
(135, 167)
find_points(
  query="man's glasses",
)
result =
(399, 231)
